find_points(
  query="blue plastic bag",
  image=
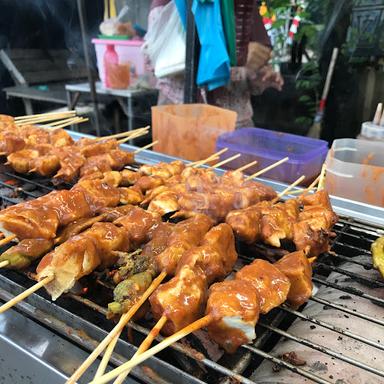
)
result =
(214, 64)
(181, 6)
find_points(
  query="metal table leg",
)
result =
(130, 115)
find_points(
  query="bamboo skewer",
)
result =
(306, 190)
(58, 122)
(213, 157)
(7, 240)
(286, 190)
(48, 114)
(226, 161)
(67, 122)
(116, 330)
(198, 324)
(107, 356)
(41, 120)
(246, 166)
(146, 147)
(144, 346)
(274, 165)
(25, 294)
(4, 263)
(379, 111)
(135, 136)
(322, 177)
(122, 134)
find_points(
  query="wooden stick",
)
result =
(7, 240)
(286, 190)
(274, 165)
(226, 161)
(214, 156)
(40, 120)
(26, 293)
(322, 177)
(379, 111)
(198, 324)
(144, 346)
(146, 147)
(122, 134)
(29, 117)
(58, 122)
(116, 330)
(75, 120)
(107, 356)
(246, 166)
(135, 136)
(4, 263)
(306, 190)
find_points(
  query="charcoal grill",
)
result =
(51, 339)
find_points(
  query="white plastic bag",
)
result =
(165, 42)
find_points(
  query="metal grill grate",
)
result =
(190, 362)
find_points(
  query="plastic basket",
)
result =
(306, 155)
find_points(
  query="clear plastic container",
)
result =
(371, 131)
(355, 170)
(306, 155)
(129, 56)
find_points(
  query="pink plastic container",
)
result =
(128, 52)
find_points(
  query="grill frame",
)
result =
(53, 316)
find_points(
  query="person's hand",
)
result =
(270, 78)
(258, 56)
(265, 78)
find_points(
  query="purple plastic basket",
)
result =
(306, 155)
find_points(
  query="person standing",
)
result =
(252, 78)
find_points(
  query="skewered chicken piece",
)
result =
(163, 170)
(308, 229)
(271, 284)
(182, 298)
(168, 244)
(298, 269)
(94, 248)
(30, 138)
(313, 229)
(184, 236)
(234, 306)
(113, 160)
(201, 191)
(216, 256)
(24, 253)
(124, 178)
(265, 222)
(81, 255)
(42, 217)
(6, 119)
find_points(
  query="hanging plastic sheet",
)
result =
(214, 65)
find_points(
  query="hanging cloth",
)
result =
(214, 63)
(229, 24)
